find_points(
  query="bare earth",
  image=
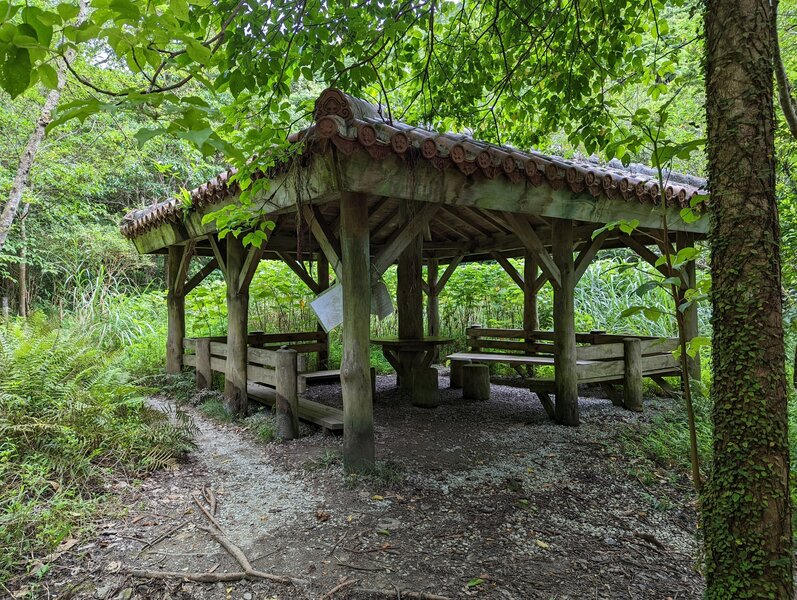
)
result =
(490, 494)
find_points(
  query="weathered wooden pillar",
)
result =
(409, 296)
(322, 268)
(175, 303)
(235, 376)
(530, 319)
(632, 377)
(287, 401)
(433, 303)
(432, 299)
(690, 318)
(564, 324)
(355, 372)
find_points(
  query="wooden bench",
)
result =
(600, 358)
(206, 356)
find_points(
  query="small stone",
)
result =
(125, 594)
(248, 596)
(610, 541)
(102, 592)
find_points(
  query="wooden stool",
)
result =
(476, 382)
(425, 391)
(456, 373)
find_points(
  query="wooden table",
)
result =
(410, 354)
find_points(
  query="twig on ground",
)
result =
(343, 584)
(210, 497)
(162, 537)
(204, 510)
(400, 594)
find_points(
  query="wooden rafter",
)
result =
(482, 214)
(463, 217)
(452, 266)
(533, 244)
(177, 282)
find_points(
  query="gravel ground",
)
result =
(484, 499)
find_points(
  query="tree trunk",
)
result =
(746, 508)
(34, 141)
(355, 368)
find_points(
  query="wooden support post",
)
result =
(564, 324)
(427, 392)
(433, 304)
(690, 317)
(175, 302)
(456, 373)
(322, 273)
(287, 401)
(530, 319)
(355, 372)
(476, 382)
(632, 375)
(235, 376)
(409, 295)
(204, 374)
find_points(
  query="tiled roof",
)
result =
(350, 123)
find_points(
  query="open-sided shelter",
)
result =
(372, 193)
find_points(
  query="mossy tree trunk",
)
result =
(746, 510)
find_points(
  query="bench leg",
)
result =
(547, 404)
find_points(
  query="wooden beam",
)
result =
(300, 270)
(400, 238)
(540, 281)
(588, 252)
(533, 244)
(530, 317)
(253, 256)
(452, 266)
(649, 256)
(325, 236)
(221, 259)
(355, 372)
(182, 272)
(322, 273)
(509, 268)
(564, 325)
(200, 275)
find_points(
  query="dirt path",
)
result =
(487, 494)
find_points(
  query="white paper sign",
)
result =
(328, 306)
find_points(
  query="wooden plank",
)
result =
(595, 370)
(300, 348)
(253, 256)
(313, 412)
(182, 272)
(509, 359)
(320, 376)
(286, 336)
(221, 260)
(533, 244)
(189, 360)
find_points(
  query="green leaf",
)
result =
(198, 137)
(196, 51)
(125, 9)
(144, 134)
(15, 70)
(179, 9)
(48, 76)
(474, 582)
(68, 11)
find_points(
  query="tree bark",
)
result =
(34, 141)
(746, 508)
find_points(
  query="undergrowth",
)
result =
(70, 421)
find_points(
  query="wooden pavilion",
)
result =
(361, 193)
